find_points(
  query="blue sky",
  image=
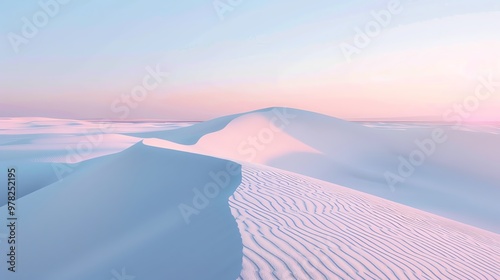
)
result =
(264, 53)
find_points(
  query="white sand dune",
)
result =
(122, 210)
(294, 227)
(279, 216)
(451, 181)
(46, 150)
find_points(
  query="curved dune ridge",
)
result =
(295, 227)
(449, 182)
(123, 210)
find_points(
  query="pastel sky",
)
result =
(428, 57)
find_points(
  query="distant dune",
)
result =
(450, 182)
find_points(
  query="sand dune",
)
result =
(451, 180)
(250, 196)
(122, 210)
(294, 227)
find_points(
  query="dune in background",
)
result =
(450, 182)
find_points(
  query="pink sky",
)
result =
(419, 66)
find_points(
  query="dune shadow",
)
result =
(124, 211)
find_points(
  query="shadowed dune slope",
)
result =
(122, 211)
